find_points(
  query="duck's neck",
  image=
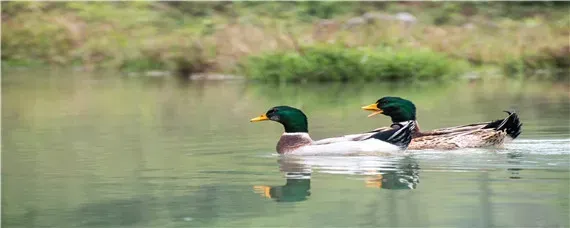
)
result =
(403, 136)
(300, 127)
(404, 122)
(289, 142)
(415, 131)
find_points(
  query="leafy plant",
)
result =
(336, 63)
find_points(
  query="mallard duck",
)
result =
(296, 140)
(493, 133)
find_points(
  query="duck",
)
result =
(296, 140)
(486, 134)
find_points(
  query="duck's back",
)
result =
(464, 139)
(493, 133)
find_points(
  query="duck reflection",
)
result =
(297, 187)
(294, 190)
(405, 176)
(394, 173)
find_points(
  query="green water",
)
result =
(101, 150)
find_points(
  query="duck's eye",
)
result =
(272, 111)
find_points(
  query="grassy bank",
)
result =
(190, 37)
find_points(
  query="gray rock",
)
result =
(406, 17)
(354, 22)
(371, 17)
(157, 73)
(214, 77)
(469, 26)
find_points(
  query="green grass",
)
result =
(336, 63)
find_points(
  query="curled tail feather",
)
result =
(511, 124)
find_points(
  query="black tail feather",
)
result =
(512, 125)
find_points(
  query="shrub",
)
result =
(552, 63)
(334, 63)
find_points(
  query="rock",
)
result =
(372, 17)
(214, 77)
(156, 73)
(469, 26)
(472, 76)
(324, 30)
(132, 74)
(325, 26)
(354, 22)
(325, 23)
(405, 17)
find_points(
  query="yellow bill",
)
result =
(374, 108)
(375, 183)
(262, 190)
(259, 118)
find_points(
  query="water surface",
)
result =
(104, 150)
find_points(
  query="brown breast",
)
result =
(290, 142)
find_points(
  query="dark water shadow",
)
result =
(400, 173)
(514, 158)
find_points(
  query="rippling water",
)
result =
(106, 151)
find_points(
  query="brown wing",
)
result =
(451, 130)
(461, 138)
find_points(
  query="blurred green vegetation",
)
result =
(550, 63)
(335, 63)
(190, 37)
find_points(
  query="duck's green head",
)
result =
(294, 120)
(398, 108)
